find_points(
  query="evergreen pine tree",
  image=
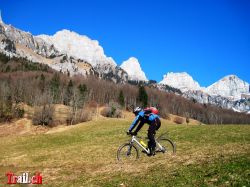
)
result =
(121, 98)
(42, 83)
(68, 93)
(142, 96)
(55, 88)
(82, 94)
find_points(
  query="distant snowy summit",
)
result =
(229, 92)
(133, 68)
(82, 47)
(229, 86)
(65, 51)
(182, 81)
(79, 46)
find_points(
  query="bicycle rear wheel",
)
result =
(167, 146)
(127, 152)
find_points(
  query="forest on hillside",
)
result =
(37, 85)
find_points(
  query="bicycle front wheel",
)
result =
(166, 146)
(127, 152)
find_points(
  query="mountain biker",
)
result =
(150, 116)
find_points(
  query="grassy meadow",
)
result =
(85, 155)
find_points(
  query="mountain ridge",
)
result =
(69, 52)
(185, 82)
(229, 86)
(18, 43)
(182, 81)
(229, 92)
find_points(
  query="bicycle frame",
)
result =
(134, 140)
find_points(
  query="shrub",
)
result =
(178, 120)
(165, 116)
(112, 111)
(80, 116)
(19, 112)
(44, 115)
(6, 110)
(92, 104)
(5, 117)
(164, 113)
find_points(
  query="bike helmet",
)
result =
(137, 110)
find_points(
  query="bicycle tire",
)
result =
(129, 147)
(168, 144)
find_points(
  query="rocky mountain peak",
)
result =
(134, 70)
(230, 78)
(182, 81)
(88, 50)
(78, 46)
(65, 51)
(229, 86)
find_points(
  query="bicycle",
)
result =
(131, 149)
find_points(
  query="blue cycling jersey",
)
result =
(152, 117)
(145, 119)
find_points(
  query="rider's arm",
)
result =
(136, 120)
(139, 126)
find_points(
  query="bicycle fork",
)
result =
(162, 149)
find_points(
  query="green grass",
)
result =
(85, 155)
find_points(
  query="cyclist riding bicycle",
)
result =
(149, 116)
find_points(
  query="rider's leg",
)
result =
(151, 137)
(158, 123)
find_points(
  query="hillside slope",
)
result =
(34, 83)
(85, 155)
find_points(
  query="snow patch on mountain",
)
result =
(235, 110)
(133, 68)
(79, 46)
(230, 86)
(242, 105)
(182, 81)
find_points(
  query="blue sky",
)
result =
(208, 39)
